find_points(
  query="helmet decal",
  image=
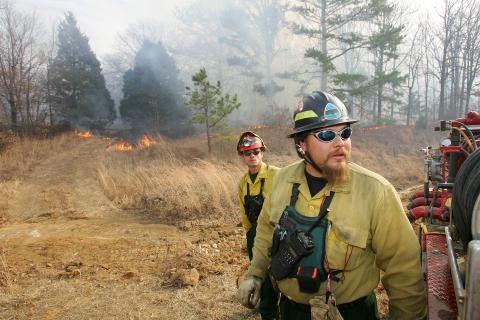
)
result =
(305, 114)
(248, 141)
(300, 106)
(332, 112)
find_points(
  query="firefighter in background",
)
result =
(329, 226)
(253, 187)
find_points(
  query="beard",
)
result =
(338, 174)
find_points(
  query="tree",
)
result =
(152, 93)
(22, 66)
(122, 58)
(384, 41)
(252, 31)
(78, 86)
(414, 57)
(208, 105)
(329, 24)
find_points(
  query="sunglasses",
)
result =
(330, 135)
(248, 153)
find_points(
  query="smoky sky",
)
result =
(102, 20)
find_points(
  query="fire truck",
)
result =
(448, 212)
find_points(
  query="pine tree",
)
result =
(331, 26)
(153, 94)
(79, 92)
(384, 43)
(209, 105)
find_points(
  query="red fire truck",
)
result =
(448, 209)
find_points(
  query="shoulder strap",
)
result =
(248, 188)
(262, 182)
(294, 196)
(323, 211)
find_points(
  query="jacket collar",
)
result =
(262, 174)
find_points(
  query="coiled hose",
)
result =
(466, 190)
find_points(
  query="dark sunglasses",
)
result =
(248, 153)
(330, 135)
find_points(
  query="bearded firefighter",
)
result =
(329, 226)
(253, 187)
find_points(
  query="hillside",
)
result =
(87, 232)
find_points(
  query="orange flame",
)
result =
(146, 142)
(121, 146)
(84, 134)
(258, 126)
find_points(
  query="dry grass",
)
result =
(6, 277)
(18, 158)
(171, 182)
(179, 180)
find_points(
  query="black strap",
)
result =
(262, 182)
(294, 196)
(323, 211)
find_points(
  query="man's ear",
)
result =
(302, 145)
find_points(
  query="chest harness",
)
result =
(254, 204)
(298, 245)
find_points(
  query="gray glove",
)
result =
(249, 291)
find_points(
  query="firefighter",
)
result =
(329, 226)
(253, 187)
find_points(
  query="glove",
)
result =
(249, 291)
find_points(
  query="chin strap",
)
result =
(307, 158)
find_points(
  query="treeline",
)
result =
(60, 85)
(389, 64)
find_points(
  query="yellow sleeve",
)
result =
(398, 255)
(263, 242)
(241, 193)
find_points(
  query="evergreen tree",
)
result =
(384, 43)
(153, 93)
(330, 24)
(208, 104)
(79, 94)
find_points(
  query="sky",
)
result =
(102, 20)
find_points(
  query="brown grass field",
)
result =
(87, 232)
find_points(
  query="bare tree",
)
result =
(471, 50)
(22, 67)
(414, 57)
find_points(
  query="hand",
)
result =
(249, 291)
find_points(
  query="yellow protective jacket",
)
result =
(367, 228)
(266, 172)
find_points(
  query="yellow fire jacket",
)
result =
(266, 172)
(368, 232)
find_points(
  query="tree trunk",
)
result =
(323, 39)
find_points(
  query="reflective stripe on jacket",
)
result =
(265, 172)
(367, 219)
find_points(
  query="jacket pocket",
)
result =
(346, 247)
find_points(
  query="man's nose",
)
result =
(338, 141)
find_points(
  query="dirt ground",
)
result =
(67, 253)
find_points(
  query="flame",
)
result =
(258, 126)
(146, 142)
(84, 134)
(121, 146)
